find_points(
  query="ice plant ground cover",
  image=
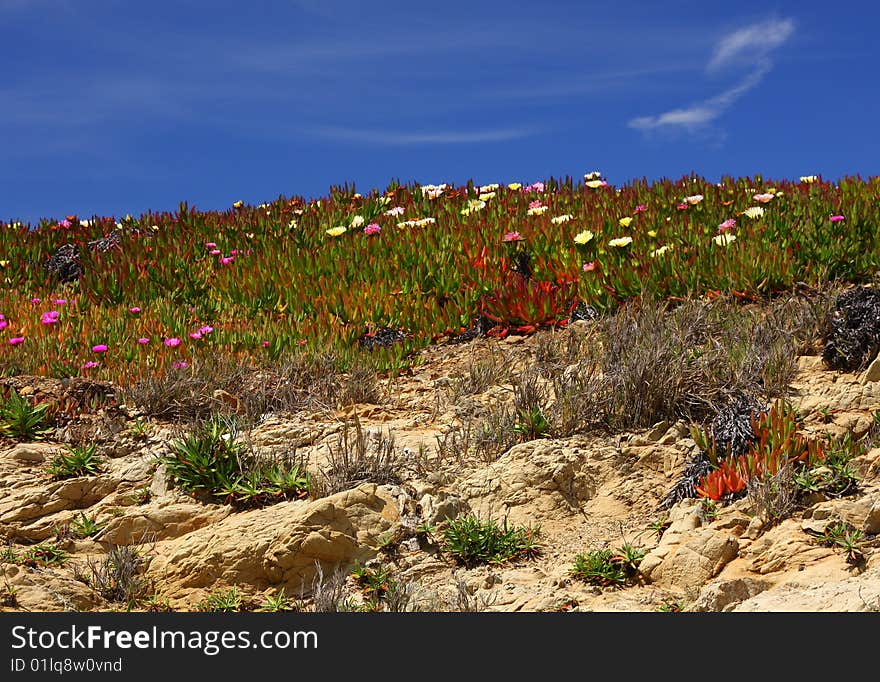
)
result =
(259, 283)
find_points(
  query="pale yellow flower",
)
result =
(666, 248)
(538, 210)
(336, 231)
(292, 224)
(583, 237)
(724, 239)
(564, 218)
(620, 242)
(489, 188)
(473, 205)
(754, 212)
(357, 221)
(807, 179)
(356, 195)
(624, 222)
(485, 196)
(593, 184)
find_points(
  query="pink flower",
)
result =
(215, 252)
(372, 228)
(588, 267)
(265, 344)
(681, 207)
(535, 204)
(35, 300)
(195, 335)
(172, 342)
(65, 223)
(59, 301)
(534, 187)
(100, 348)
(837, 218)
(726, 225)
(207, 329)
(227, 260)
(143, 340)
(16, 340)
(640, 208)
(301, 342)
(234, 252)
(512, 237)
(134, 310)
(3, 324)
(180, 364)
(90, 364)
(210, 245)
(50, 317)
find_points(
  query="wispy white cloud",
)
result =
(394, 137)
(751, 46)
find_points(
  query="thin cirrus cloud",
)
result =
(401, 138)
(750, 46)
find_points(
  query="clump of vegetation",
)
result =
(471, 540)
(117, 577)
(79, 460)
(847, 537)
(21, 420)
(210, 462)
(609, 568)
(361, 457)
(85, 526)
(222, 601)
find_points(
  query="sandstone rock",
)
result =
(30, 453)
(723, 595)
(872, 373)
(858, 593)
(277, 545)
(154, 523)
(74, 493)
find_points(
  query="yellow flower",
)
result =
(592, 176)
(620, 242)
(485, 196)
(336, 231)
(356, 195)
(666, 248)
(472, 206)
(4, 263)
(564, 218)
(357, 221)
(237, 204)
(583, 237)
(594, 184)
(515, 186)
(754, 212)
(292, 224)
(652, 233)
(808, 178)
(624, 222)
(724, 239)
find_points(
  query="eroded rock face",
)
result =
(277, 546)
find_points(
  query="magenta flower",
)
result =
(681, 207)
(172, 342)
(210, 245)
(143, 340)
(49, 317)
(512, 237)
(195, 335)
(65, 223)
(640, 208)
(207, 329)
(837, 218)
(3, 323)
(265, 344)
(35, 300)
(16, 340)
(534, 187)
(726, 225)
(59, 301)
(234, 252)
(372, 228)
(180, 364)
(215, 252)
(100, 348)
(227, 260)
(134, 310)
(90, 364)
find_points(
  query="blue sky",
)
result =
(110, 107)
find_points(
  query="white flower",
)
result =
(357, 221)
(489, 188)
(433, 191)
(592, 176)
(583, 237)
(621, 242)
(659, 252)
(564, 218)
(538, 210)
(694, 199)
(417, 223)
(396, 211)
(754, 212)
(763, 198)
(808, 178)
(724, 239)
